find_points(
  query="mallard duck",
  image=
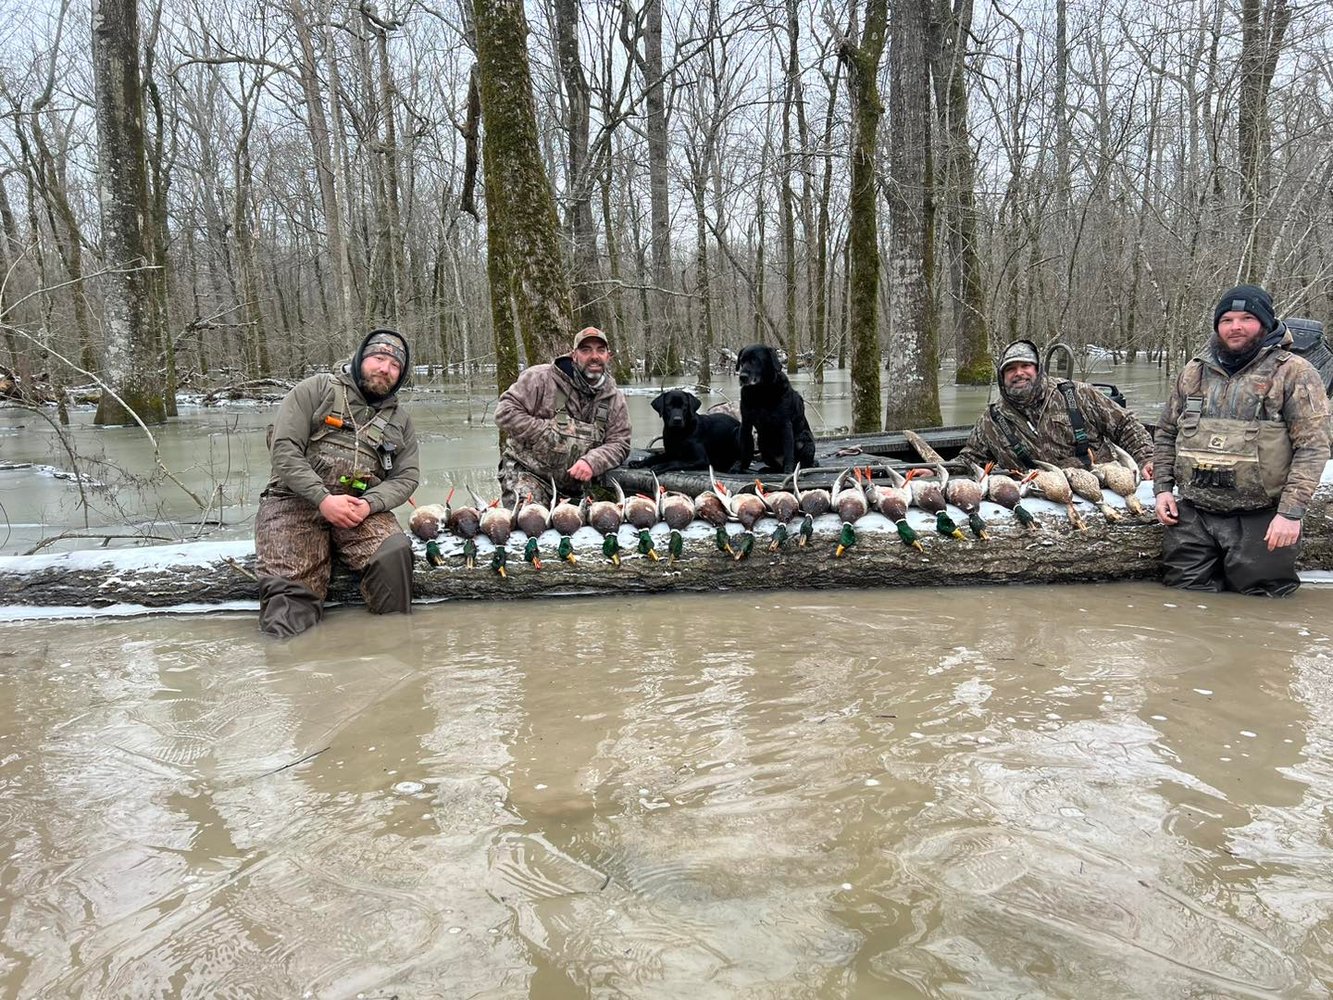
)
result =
(806, 532)
(464, 522)
(846, 539)
(1007, 492)
(1052, 484)
(723, 540)
(531, 554)
(640, 511)
(565, 551)
(1085, 484)
(778, 538)
(929, 496)
(894, 501)
(606, 516)
(532, 517)
(427, 520)
(676, 509)
(470, 552)
(782, 504)
(646, 545)
(812, 502)
(498, 559)
(433, 554)
(849, 498)
(611, 548)
(710, 507)
(676, 544)
(747, 508)
(966, 494)
(1122, 477)
(567, 517)
(743, 545)
(497, 523)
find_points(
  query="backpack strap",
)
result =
(1016, 444)
(1082, 450)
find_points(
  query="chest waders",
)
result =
(562, 444)
(349, 457)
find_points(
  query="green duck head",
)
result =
(498, 559)
(676, 545)
(807, 530)
(530, 554)
(1024, 516)
(469, 552)
(566, 551)
(723, 541)
(846, 539)
(611, 548)
(945, 526)
(646, 546)
(744, 545)
(433, 554)
(780, 536)
(977, 525)
(908, 535)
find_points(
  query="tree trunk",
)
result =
(1263, 27)
(214, 572)
(914, 395)
(973, 363)
(862, 61)
(519, 204)
(131, 367)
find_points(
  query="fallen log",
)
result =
(213, 573)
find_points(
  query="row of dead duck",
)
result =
(855, 493)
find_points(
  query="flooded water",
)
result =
(1069, 792)
(1011, 792)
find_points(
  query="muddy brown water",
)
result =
(1109, 791)
(1113, 791)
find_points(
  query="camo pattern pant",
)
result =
(517, 482)
(294, 549)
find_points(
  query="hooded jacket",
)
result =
(377, 432)
(527, 414)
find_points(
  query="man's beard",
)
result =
(593, 380)
(1024, 394)
(377, 386)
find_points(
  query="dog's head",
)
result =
(758, 365)
(677, 408)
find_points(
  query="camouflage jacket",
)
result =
(301, 443)
(1276, 386)
(539, 437)
(1047, 432)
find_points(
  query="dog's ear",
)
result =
(694, 402)
(660, 403)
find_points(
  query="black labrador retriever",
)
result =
(772, 410)
(691, 441)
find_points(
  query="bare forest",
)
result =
(200, 193)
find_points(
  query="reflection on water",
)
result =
(881, 794)
(219, 455)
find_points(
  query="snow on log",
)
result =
(214, 573)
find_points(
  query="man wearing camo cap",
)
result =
(344, 456)
(1039, 419)
(1243, 439)
(565, 421)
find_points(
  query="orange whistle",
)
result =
(333, 421)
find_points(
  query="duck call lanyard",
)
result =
(372, 432)
(1082, 449)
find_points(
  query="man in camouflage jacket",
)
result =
(344, 456)
(1032, 421)
(1244, 438)
(565, 421)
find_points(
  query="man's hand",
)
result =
(1167, 511)
(1282, 531)
(580, 471)
(1147, 469)
(343, 511)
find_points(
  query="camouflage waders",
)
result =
(294, 546)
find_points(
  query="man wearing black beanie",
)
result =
(1244, 438)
